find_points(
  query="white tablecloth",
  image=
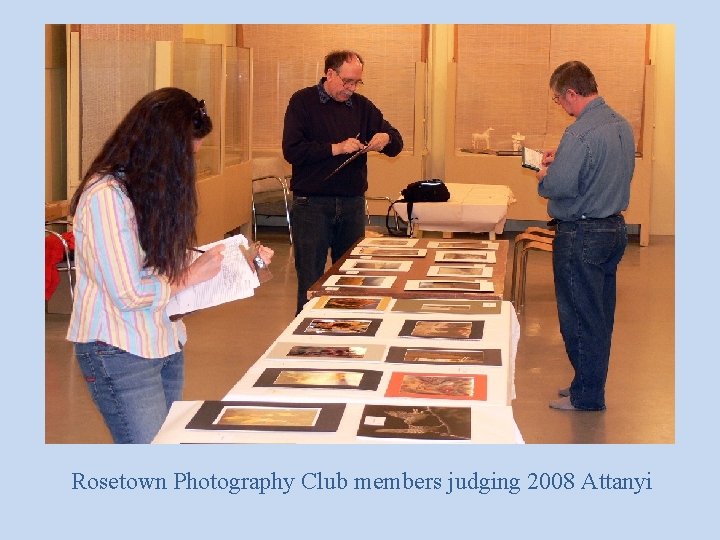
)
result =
(471, 208)
(492, 419)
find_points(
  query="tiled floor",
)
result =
(224, 341)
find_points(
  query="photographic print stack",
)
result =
(368, 367)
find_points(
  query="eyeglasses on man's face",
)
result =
(350, 83)
(556, 97)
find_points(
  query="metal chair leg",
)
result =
(523, 280)
(287, 213)
(522, 269)
(519, 242)
(254, 220)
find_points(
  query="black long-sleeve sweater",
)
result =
(313, 123)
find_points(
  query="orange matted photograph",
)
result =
(438, 386)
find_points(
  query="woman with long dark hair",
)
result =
(134, 222)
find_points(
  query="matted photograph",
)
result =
(336, 352)
(373, 251)
(365, 265)
(338, 327)
(474, 256)
(474, 285)
(463, 244)
(368, 282)
(438, 386)
(267, 416)
(439, 356)
(470, 270)
(388, 242)
(347, 379)
(447, 305)
(443, 329)
(358, 303)
(408, 422)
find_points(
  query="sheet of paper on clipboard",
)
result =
(531, 159)
(236, 280)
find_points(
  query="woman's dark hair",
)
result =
(151, 155)
(575, 75)
(336, 59)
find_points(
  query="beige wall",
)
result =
(662, 200)
(212, 34)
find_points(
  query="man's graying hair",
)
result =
(573, 75)
(335, 59)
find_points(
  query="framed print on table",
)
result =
(267, 416)
(447, 305)
(415, 422)
(354, 303)
(343, 379)
(473, 285)
(373, 251)
(337, 351)
(369, 282)
(338, 327)
(441, 356)
(474, 256)
(388, 242)
(470, 271)
(442, 329)
(437, 386)
(370, 265)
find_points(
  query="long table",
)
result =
(402, 336)
(491, 417)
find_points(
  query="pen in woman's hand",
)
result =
(196, 250)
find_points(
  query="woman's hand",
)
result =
(266, 254)
(205, 267)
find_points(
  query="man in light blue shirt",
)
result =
(587, 184)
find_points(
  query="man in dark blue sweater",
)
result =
(325, 125)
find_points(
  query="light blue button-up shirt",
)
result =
(594, 163)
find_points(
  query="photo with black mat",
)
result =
(420, 422)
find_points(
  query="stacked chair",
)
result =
(531, 239)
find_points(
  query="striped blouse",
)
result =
(117, 300)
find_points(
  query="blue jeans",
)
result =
(133, 394)
(320, 224)
(585, 258)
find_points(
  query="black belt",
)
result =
(303, 196)
(555, 221)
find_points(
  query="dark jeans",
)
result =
(320, 224)
(585, 258)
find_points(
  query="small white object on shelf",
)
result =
(484, 136)
(517, 140)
